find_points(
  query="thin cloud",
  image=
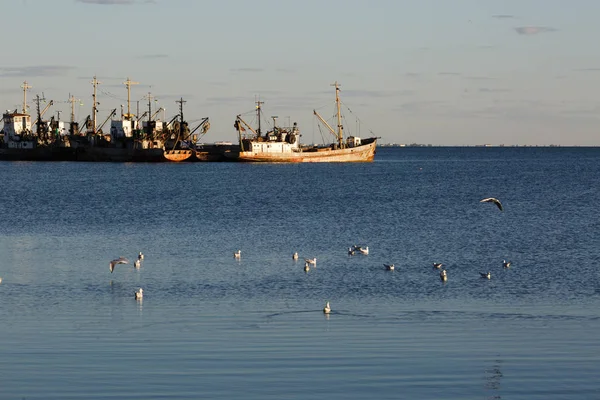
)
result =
(533, 30)
(36, 70)
(449, 73)
(503, 16)
(247, 69)
(107, 2)
(479, 78)
(493, 90)
(588, 69)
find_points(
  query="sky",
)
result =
(439, 72)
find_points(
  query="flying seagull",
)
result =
(493, 200)
(120, 260)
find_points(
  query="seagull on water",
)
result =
(506, 264)
(493, 200)
(437, 265)
(364, 251)
(0, 280)
(389, 267)
(139, 295)
(237, 254)
(306, 267)
(295, 256)
(443, 276)
(327, 309)
(140, 256)
(312, 261)
(351, 251)
(120, 260)
(137, 263)
(486, 275)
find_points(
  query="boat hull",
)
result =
(38, 154)
(179, 155)
(109, 154)
(362, 153)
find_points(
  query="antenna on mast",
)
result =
(95, 84)
(25, 86)
(128, 83)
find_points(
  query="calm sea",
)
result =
(214, 327)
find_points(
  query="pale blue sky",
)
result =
(444, 72)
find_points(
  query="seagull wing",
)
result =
(492, 200)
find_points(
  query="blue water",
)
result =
(213, 327)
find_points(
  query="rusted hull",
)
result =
(364, 153)
(178, 155)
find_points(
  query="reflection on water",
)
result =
(493, 377)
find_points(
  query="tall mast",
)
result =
(39, 115)
(72, 100)
(258, 108)
(149, 107)
(128, 83)
(95, 84)
(25, 86)
(181, 101)
(340, 132)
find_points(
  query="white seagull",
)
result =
(137, 263)
(389, 267)
(364, 251)
(493, 200)
(140, 256)
(237, 254)
(506, 264)
(0, 280)
(327, 309)
(443, 276)
(295, 256)
(306, 267)
(139, 295)
(120, 260)
(486, 275)
(437, 265)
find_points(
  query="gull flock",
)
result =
(308, 262)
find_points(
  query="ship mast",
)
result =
(95, 84)
(128, 83)
(25, 86)
(150, 106)
(181, 101)
(340, 132)
(258, 109)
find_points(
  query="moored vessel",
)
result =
(282, 144)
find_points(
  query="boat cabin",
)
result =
(17, 130)
(122, 128)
